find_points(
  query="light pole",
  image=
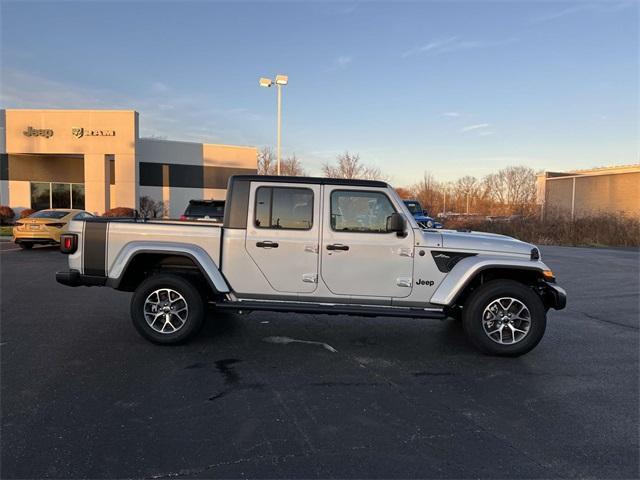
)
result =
(280, 81)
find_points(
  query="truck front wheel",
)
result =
(167, 309)
(504, 318)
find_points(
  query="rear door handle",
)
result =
(267, 244)
(337, 246)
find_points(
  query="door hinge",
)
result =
(310, 277)
(405, 252)
(403, 281)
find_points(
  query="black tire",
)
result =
(190, 296)
(25, 245)
(483, 297)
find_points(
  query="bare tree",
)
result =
(513, 189)
(466, 190)
(151, 208)
(266, 162)
(404, 193)
(292, 166)
(428, 192)
(349, 166)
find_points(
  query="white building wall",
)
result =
(167, 151)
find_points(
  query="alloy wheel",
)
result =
(506, 320)
(166, 310)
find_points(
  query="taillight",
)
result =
(68, 242)
(57, 225)
(183, 217)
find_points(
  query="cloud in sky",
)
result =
(343, 61)
(597, 7)
(178, 116)
(451, 114)
(477, 126)
(159, 87)
(452, 44)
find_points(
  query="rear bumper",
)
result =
(73, 278)
(554, 296)
(41, 240)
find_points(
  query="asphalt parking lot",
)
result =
(84, 396)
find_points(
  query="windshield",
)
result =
(203, 209)
(57, 214)
(414, 207)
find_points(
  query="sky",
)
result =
(453, 88)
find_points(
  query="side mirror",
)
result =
(396, 223)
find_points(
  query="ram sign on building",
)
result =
(94, 159)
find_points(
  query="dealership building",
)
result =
(95, 160)
(582, 193)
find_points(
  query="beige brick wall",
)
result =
(614, 193)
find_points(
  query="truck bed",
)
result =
(104, 241)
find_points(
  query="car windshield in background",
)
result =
(413, 207)
(205, 209)
(50, 214)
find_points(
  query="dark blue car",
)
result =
(424, 220)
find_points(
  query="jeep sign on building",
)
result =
(94, 159)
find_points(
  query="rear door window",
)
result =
(284, 208)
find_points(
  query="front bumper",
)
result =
(554, 296)
(73, 278)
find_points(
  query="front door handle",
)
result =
(337, 246)
(267, 244)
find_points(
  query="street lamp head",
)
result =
(265, 82)
(282, 79)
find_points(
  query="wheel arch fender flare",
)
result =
(469, 268)
(195, 253)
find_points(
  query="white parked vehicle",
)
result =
(316, 245)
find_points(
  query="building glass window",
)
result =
(282, 207)
(360, 211)
(40, 196)
(60, 195)
(56, 195)
(77, 196)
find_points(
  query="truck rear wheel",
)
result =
(504, 318)
(167, 309)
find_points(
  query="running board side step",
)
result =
(331, 309)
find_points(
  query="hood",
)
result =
(490, 242)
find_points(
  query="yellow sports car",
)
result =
(45, 226)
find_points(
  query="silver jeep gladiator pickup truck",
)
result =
(315, 245)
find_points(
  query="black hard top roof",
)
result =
(307, 180)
